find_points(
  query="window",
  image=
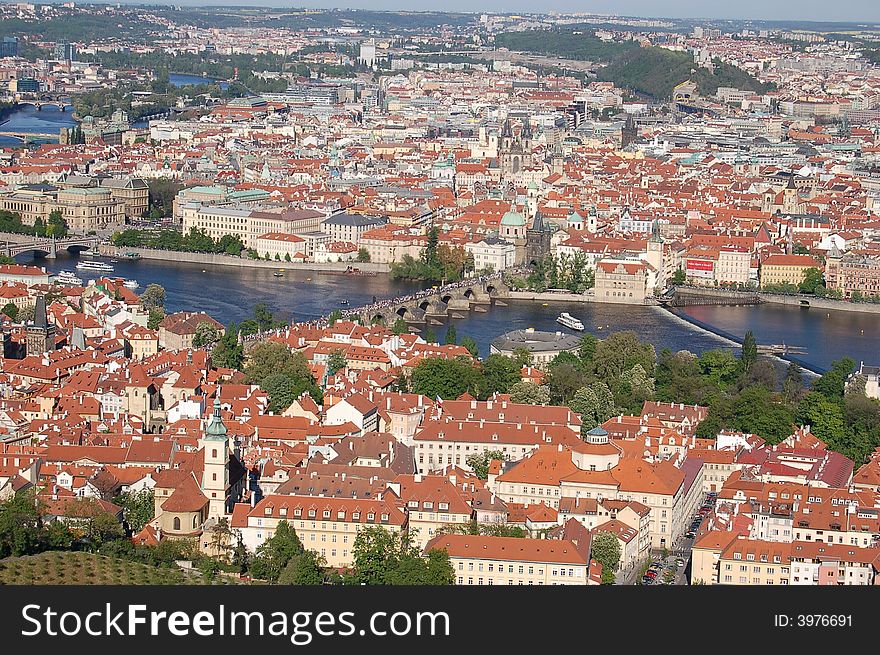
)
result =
(177, 523)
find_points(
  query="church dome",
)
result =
(513, 219)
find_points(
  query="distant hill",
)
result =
(656, 71)
(652, 71)
(583, 46)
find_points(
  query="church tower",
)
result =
(654, 248)
(215, 476)
(40, 334)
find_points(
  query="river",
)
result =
(228, 294)
(180, 79)
(26, 118)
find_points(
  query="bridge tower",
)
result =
(40, 334)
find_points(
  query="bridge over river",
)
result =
(49, 246)
(430, 305)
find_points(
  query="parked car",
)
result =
(690, 535)
(679, 562)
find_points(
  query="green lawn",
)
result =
(75, 568)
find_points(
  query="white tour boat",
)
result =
(570, 321)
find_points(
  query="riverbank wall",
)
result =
(803, 301)
(534, 296)
(241, 262)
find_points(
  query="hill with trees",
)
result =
(656, 71)
(652, 71)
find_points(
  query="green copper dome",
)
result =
(513, 218)
(216, 428)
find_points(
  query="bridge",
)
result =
(49, 246)
(687, 296)
(431, 305)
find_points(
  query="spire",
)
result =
(216, 429)
(40, 318)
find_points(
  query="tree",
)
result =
(153, 297)
(595, 404)
(451, 335)
(621, 351)
(155, 317)
(20, 525)
(220, 537)
(479, 462)
(430, 336)
(470, 345)
(264, 317)
(499, 374)
(26, 313)
(10, 310)
(382, 557)
(564, 379)
(39, 227)
(720, 366)
(446, 378)
(56, 225)
(812, 281)
(228, 352)
(282, 374)
(605, 549)
(522, 357)
(824, 416)
(335, 315)
(678, 277)
(274, 554)
(749, 351)
(304, 569)
(400, 326)
(529, 393)
(793, 385)
(336, 361)
(282, 390)
(270, 358)
(588, 348)
(103, 527)
(138, 508)
(363, 255)
(833, 383)
(206, 335)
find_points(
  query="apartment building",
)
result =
(479, 560)
(327, 526)
(432, 501)
(786, 269)
(350, 227)
(853, 273)
(248, 224)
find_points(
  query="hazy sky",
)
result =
(823, 10)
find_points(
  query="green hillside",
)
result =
(583, 46)
(81, 568)
(655, 72)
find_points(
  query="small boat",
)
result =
(543, 304)
(114, 261)
(131, 284)
(68, 277)
(94, 266)
(343, 302)
(278, 274)
(570, 321)
(308, 279)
